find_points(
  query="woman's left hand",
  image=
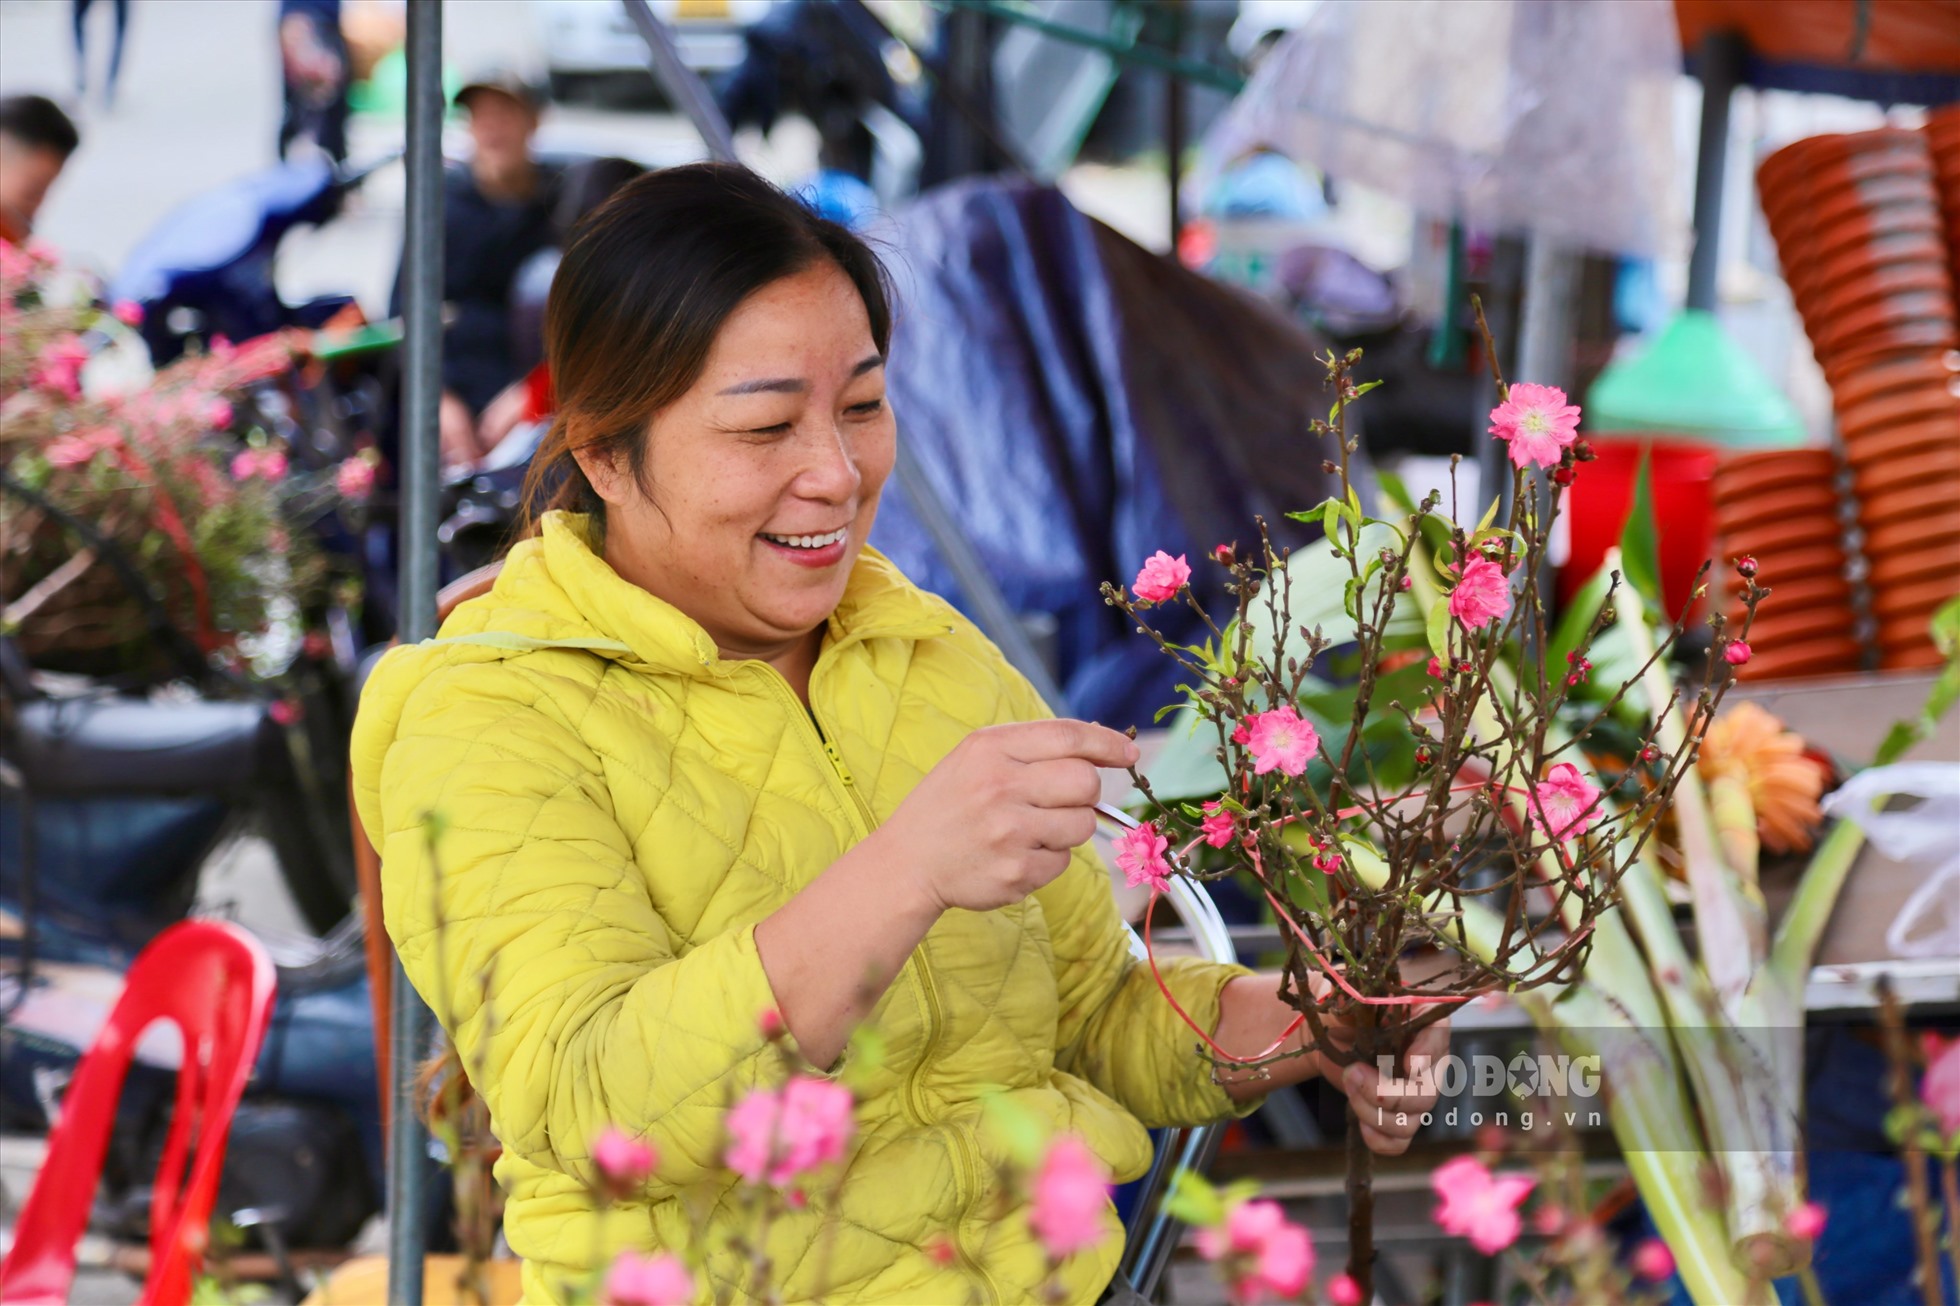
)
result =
(1389, 1119)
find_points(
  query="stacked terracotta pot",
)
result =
(1900, 423)
(1780, 507)
(1870, 257)
(1862, 239)
(1943, 138)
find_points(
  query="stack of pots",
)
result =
(1859, 230)
(1943, 138)
(1870, 258)
(1780, 507)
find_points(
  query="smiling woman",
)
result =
(702, 754)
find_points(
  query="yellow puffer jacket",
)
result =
(618, 806)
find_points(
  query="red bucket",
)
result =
(1601, 496)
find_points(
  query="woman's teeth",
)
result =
(808, 541)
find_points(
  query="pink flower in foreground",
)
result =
(1436, 667)
(637, 1280)
(622, 1160)
(1140, 856)
(60, 366)
(1806, 1222)
(1281, 741)
(1482, 595)
(1737, 653)
(217, 416)
(128, 312)
(1269, 1254)
(354, 478)
(1479, 1205)
(1241, 734)
(1162, 577)
(1219, 825)
(1564, 805)
(81, 447)
(1071, 1193)
(1940, 1089)
(268, 464)
(778, 1136)
(1537, 424)
(1652, 1260)
(1342, 1290)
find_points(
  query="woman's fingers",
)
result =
(1390, 1113)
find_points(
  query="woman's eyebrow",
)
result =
(789, 385)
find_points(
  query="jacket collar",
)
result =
(564, 577)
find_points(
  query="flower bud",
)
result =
(1651, 753)
(1745, 566)
(1563, 476)
(1737, 653)
(1582, 451)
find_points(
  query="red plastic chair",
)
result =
(215, 983)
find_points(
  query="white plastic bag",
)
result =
(1544, 117)
(1928, 925)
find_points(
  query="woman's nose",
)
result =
(832, 470)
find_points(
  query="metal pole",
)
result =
(1174, 124)
(408, 1146)
(1721, 71)
(686, 90)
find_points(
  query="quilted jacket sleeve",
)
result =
(1117, 1031)
(522, 919)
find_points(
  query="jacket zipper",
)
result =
(964, 1166)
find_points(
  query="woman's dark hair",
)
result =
(645, 285)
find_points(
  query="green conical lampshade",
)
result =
(1694, 381)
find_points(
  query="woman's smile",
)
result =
(825, 550)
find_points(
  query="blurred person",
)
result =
(584, 186)
(36, 138)
(81, 8)
(314, 71)
(496, 213)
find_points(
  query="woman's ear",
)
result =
(603, 463)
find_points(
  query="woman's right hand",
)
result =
(997, 818)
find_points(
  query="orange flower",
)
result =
(1749, 744)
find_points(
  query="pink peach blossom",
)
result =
(1268, 1254)
(354, 478)
(1940, 1088)
(1737, 653)
(637, 1280)
(1564, 805)
(776, 1136)
(217, 415)
(621, 1159)
(1071, 1195)
(1479, 1205)
(1652, 1260)
(128, 312)
(1537, 423)
(1162, 577)
(1806, 1222)
(1140, 855)
(1482, 595)
(1342, 1290)
(1219, 824)
(82, 446)
(1280, 740)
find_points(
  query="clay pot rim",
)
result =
(1905, 501)
(1895, 442)
(1885, 410)
(1808, 658)
(1896, 221)
(1842, 352)
(1895, 311)
(1927, 532)
(1912, 564)
(1843, 371)
(1771, 538)
(1921, 367)
(1775, 505)
(1915, 600)
(1920, 276)
(1744, 482)
(1887, 474)
(1843, 264)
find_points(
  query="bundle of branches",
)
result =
(1438, 799)
(141, 531)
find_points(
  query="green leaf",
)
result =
(1640, 540)
(1328, 516)
(1193, 1200)
(1396, 491)
(1437, 629)
(1577, 619)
